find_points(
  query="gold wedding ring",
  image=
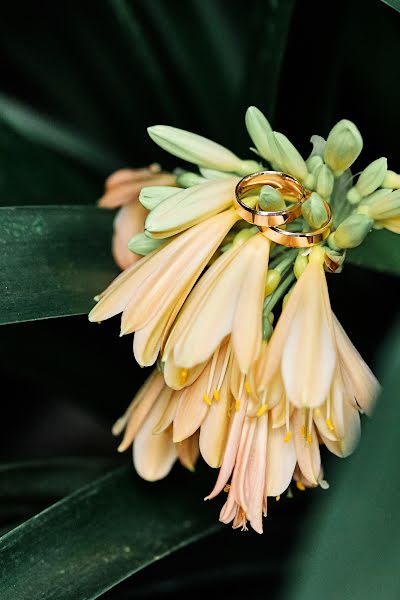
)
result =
(290, 188)
(305, 239)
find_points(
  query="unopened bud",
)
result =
(314, 163)
(272, 282)
(186, 179)
(213, 174)
(290, 159)
(270, 199)
(143, 245)
(324, 182)
(391, 180)
(351, 232)
(152, 195)
(334, 260)
(267, 328)
(381, 205)
(343, 146)
(195, 148)
(244, 235)
(260, 132)
(370, 180)
(299, 265)
(314, 211)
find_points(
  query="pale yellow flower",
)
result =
(228, 300)
(152, 291)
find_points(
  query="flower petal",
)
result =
(281, 462)
(307, 448)
(188, 451)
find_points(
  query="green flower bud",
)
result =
(194, 148)
(343, 146)
(370, 180)
(289, 158)
(142, 245)
(314, 163)
(351, 232)
(267, 328)
(152, 195)
(244, 235)
(337, 258)
(186, 179)
(314, 211)
(260, 132)
(299, 265)
(384, 204)
(325, 181)
(273, 280)
(270, 199)
(392, 180)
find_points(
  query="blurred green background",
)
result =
(80, 83)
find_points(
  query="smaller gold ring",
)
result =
(286, 184)
(305, 239)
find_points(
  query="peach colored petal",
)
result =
(154, 455)
(191, 409)
(140, 407)
(128, 221)
(187, 255)
(123, 176)
(214, 428)
(357, 376)
(231, 450)
(281, 462)
(392, 224)
(307, 448)
(188, 451)
(352, 431)
(169, 413)
(129, 191)
(309, 354)
(256, 474)
(172, 374)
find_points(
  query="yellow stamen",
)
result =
(216, 394)
(309, 439)
(227, 487)
(277, 498)
(300, 486)
(288, 436)
(317, 412)
(183, 376)
(212, 370)
(247, 387)
(303, 431)
(263, 408)
(237, 405)
(206, 399)
(330, 424)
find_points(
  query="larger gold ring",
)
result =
(290, 188)
(305, 239)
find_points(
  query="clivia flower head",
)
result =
(255, 394)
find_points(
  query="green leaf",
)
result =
(393, 4)
(352, 545)
(28, 487)
(54, 259)
(100, 535)
(379, 251)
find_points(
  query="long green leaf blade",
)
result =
(54, 259)
(393, 4)
(100, 535)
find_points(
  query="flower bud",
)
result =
(142, 245)
(370, 180)
(299, 265)
(242, 236)
(382, 205)
(260, 132)
(213, 174)
(191, 206)
(391, 180)
(314, 163)
(270, 199)
(194, 148)
(351, 232)
(272, 281)
(267, 328)
(314, 211)
(290, 159)
(324, 182)
(186, 179)
(151, 196)
(343, 146)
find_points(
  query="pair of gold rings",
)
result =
(292, 191)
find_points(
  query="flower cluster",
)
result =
(254, 394)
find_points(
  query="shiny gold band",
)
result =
(289, 187)
(300, 239)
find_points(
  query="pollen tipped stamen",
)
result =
(183, 376)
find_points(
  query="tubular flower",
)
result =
(256, 396)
